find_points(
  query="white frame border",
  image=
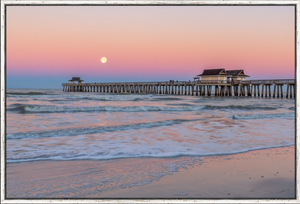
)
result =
(134, 2)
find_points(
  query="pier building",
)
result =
(76, 79)
(237, 75)
(214, 75)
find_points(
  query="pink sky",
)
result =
(149, 42)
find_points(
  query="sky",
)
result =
(48, 45)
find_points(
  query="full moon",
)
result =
(103, 59)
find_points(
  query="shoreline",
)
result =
(265, 173)
(147, 157)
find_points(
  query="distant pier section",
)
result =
(214, 82)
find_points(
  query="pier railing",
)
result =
(270, 81)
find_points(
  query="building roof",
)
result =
(223, 72)
(213, 72)
(75, 79)
(239, 72)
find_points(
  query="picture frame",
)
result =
(4, 36)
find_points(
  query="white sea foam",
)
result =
(103, 150)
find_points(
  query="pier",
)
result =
(256, 88)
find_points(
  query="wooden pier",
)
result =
(256, 88)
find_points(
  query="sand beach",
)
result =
(267, 173)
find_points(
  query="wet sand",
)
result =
(268, 173)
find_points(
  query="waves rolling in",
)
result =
(93, 130)
(262, 116)
(56, 109)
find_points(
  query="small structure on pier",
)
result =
(237, 75)
(214, 75)
(196, 78)
(76, 79)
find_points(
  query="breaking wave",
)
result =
(57, 109)
(261, 116)
(239, 107)
(93, 130)
(29, 93)
(99, 97)
(180, 104)
(166, 99)
(104, 151)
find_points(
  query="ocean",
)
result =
(52, 125)
(57, 125)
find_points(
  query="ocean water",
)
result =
(100, 132)
(56, 125)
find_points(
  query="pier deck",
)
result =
(260, 88)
